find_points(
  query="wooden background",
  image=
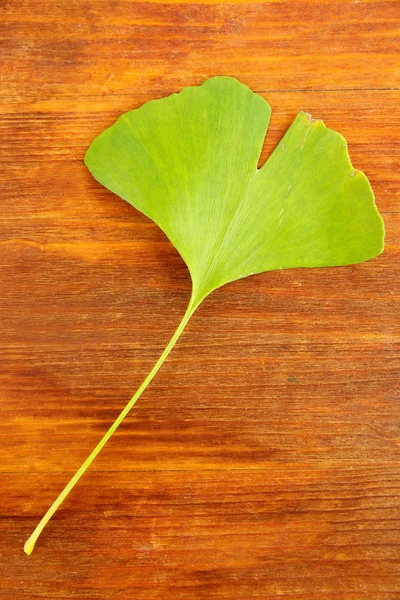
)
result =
(263, 462)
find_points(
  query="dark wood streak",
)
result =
(263, 462)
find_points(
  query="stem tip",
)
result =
(29, 545)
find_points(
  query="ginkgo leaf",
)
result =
(189, 162)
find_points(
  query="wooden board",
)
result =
(263, 462)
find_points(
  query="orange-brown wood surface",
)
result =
(264, 460)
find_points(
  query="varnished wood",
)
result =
(263, 462)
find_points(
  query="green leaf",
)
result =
(189, 162)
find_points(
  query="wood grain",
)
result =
(263, 462)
